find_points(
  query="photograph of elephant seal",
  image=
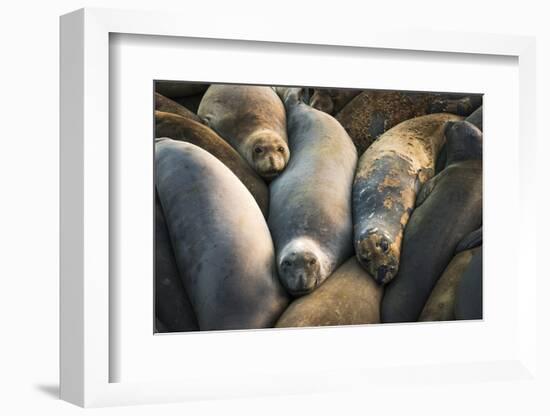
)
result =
(188, 130)
(388, 177)
(213, 245)
(252, 119)
(448, 209)
(310, 220)
(371, 211)
(348, 297)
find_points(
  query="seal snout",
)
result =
(375, 252)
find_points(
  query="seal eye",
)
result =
(384, 245)
(258, 149)
(281, 149)
(312, 262)
(286, 263)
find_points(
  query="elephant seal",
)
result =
(459, 104)
(441, 303)
(448, 209)
(220, 240)
(348, 297)
(167, 105)
(310, 202)
(251, 119)
(331, 100)
(187, 130)
(172, 305)
(177, 89)
(476, 118)
(469, 294)
(388, 177)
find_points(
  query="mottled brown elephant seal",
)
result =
(220, 240)
(167, 105)
(331, 100)
(387, 180)
(348, 297)
(177, 89)
(184, 129)
(172, 305)
(441, 303)
(448, 209)
(310, 202)
(252, 119)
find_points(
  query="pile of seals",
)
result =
(293, 207)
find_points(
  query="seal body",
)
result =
(177, 89)
(469, 297)
(388, 177)
(332, 100)
(252, 119)
(220, 238)
(172, 305)
(310, 202)
(185, 129)
(476, 118)
(166, 104)
(441, 303)
(448, 210)
(348, 297)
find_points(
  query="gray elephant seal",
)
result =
(476, 118)
(177, 89)
(348, 297)
(388, 177)
(469, 294)
(165, 104)
(448, 209)
(187, 130)
(441, 303)
(252, 119)
(331, 100)
(172, 305)
(220, 240)
(310, 202)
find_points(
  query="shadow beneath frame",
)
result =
(51, 390)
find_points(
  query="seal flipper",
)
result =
(474, 239)
(464, 141)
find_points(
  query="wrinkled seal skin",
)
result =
(384, 190)
(184, 129)
(441, 303)
(310, 202)
(220, 240)
(331, 100)
(167, 105)
(177, 89)
(252, 119)
(448, 209)
(348, 297)
(469, 296)
(172, 305)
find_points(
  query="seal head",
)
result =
(268, 153)
(379, 255)
(301, 266)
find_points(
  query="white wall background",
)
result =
(29, 102)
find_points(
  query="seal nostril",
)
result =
(381, 273)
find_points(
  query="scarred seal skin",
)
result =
(251, 119)
(388, 177)
(172, 305)
(220, 238)
(165, 104)
(348, 297)
(310, 202)
(332, 100)
(187, 130)
(177, 89)
(441, 303)
(448, 210)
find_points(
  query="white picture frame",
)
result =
(86, 352)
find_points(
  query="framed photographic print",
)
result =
(238, 219)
